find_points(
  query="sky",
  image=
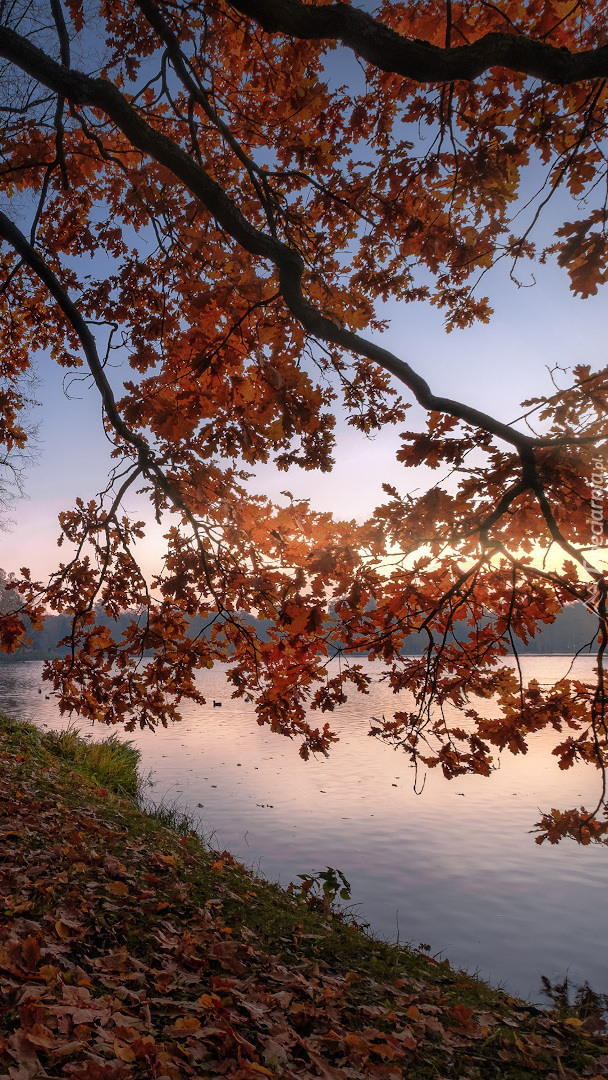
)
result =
(493, 367)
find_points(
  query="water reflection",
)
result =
(455, 867)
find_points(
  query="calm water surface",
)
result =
(455, 867)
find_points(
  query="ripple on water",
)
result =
(455, 867)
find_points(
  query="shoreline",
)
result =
(128, 949)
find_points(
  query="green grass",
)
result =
(111, 763)
(172, 816)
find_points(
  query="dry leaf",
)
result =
(117, 888)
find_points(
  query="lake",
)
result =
(454, 867)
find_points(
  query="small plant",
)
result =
(111, 762)
(65, 744)
(320, 890)
(582, 1001)
(172, 816)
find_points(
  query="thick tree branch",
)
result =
(81, 89)
(419, 60)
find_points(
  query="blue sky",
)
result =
(492, 366)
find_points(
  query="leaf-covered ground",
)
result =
(128, 950)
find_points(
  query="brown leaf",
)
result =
(274, 1055)
(67, 1049)
(124, 1032)
(30, 952)
(209, 1001)
(187, 1024)
(94, 1069)
(327, 1071)
(118, 888)
(39, 1035)
(463, 1015)
(123, 1051)
(28, 1062)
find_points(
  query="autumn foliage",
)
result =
(218, 196)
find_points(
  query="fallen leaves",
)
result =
(109, 979)
(117, 888)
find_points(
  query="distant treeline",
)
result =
(572, 630)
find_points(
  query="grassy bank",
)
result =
(128, 950)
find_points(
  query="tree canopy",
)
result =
(186, 188)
